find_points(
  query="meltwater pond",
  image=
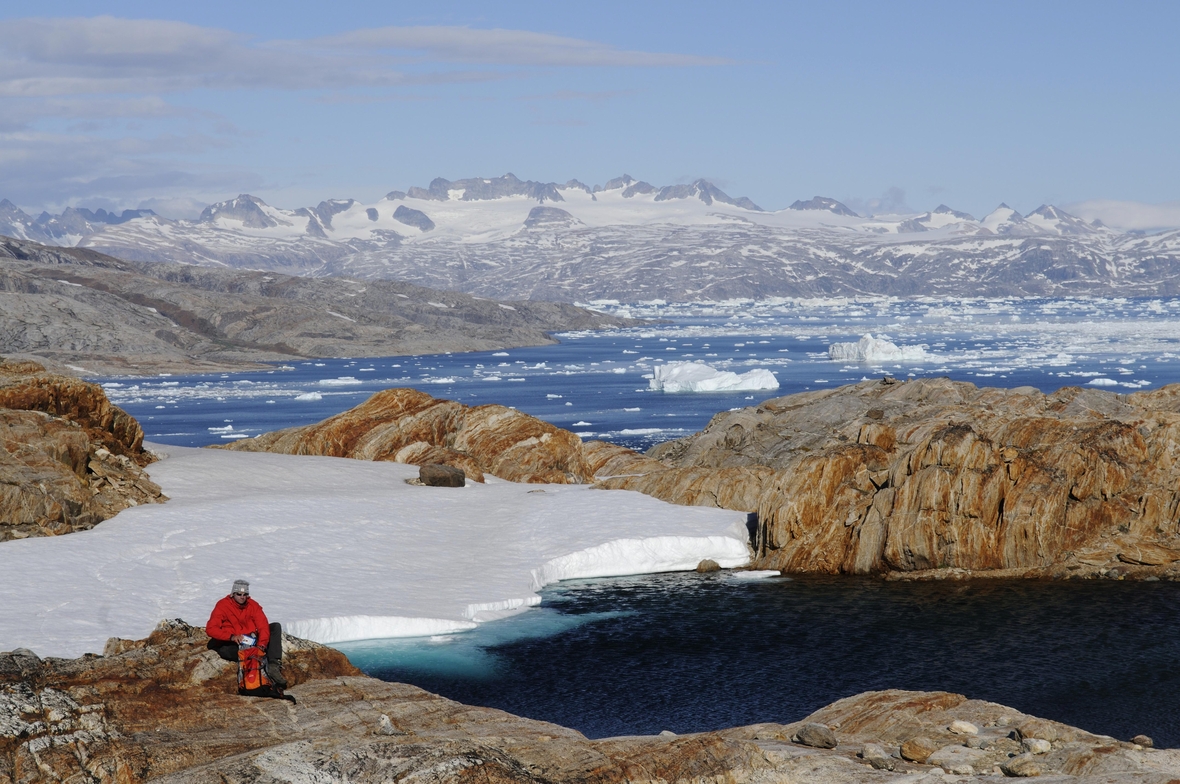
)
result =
(689, 652)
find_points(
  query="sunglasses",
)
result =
(239, 593)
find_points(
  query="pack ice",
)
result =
(337, 549)
(699, 377)
(879, 349)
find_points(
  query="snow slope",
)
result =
(337, 549)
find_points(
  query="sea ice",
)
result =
(699, 377)
(337, 549)
(873, 350)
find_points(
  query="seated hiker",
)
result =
(235, 620)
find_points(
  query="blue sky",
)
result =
(881, 105)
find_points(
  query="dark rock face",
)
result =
(549, 217)
(413, 217)
(68, 458)
(436, 475)
(823, 203)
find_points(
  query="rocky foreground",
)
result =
(68, 458)
(166, 709)
(84, 311)
(929, 478)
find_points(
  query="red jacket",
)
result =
(229, 619)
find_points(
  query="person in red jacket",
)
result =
(235, 619)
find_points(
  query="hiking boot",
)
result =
(275, 670)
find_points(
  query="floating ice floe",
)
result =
(364, 554)
(871, 349)
(699, 377)
(1102, 382)
(342, 381)
(310, 396)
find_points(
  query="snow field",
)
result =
(337, 550)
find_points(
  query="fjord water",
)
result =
(689, 652)
(596, 384)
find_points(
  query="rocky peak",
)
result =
(1004, 220)
(482, 189)
(325, 210)
(639, 188)
(942, 209)
(245, 208)
(617, 183)
(1058, 221)
(706, 192)
(823, 203)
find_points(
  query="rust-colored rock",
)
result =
(68, 458)
(408, 426)
(932, 474)
(167, 709)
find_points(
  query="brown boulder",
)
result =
(919, 749)
(434, 475)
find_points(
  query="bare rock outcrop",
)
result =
(408, 426)
(937, 475)
(68, 458)
(83, 311)
(167, 709)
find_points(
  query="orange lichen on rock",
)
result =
(68, 458)
(408, 426)
(932, 474)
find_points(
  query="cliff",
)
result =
(166, 709)
(68, 458)
(933, 474)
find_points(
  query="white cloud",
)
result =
(102, 108)
(508, 47)
(53, 57)
(1128, 215)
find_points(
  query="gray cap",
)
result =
(241, 586)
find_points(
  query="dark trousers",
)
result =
(228, 649)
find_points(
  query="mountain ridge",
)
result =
(630, 240)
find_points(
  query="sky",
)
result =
(887, 107)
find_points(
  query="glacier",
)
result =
(337, 550)
(699, 377)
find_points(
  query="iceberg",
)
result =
(876, 349)
(699, 377)
(352, 551)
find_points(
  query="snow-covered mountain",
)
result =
(631, 240)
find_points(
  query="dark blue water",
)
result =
(688, 652)
(596, 384)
